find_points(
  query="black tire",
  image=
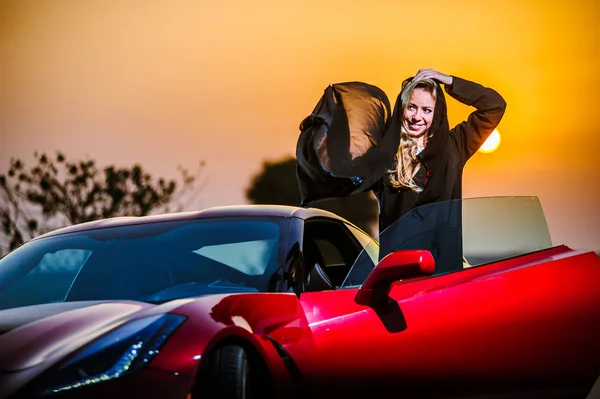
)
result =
(230, 373)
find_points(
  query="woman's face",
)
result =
(418, 113)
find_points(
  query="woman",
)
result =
(429, 163)
(430, 158)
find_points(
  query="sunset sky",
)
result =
(168, 82)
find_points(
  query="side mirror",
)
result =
(395, 266)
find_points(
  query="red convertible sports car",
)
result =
(460, 299)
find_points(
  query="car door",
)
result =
(473, 332)
(518, 327)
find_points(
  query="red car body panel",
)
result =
(459, 338)
(46, 339)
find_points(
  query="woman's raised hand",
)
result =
(433, 74)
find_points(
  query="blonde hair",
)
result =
(407, 163)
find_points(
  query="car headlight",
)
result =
(123, 350)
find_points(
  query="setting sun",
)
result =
(492, 143)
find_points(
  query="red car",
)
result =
(457, 299)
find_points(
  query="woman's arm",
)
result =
(490, 107)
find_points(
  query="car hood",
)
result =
(35, 334)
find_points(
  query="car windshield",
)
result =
(152, 262)
(461, 234)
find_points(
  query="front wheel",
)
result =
(229, 371)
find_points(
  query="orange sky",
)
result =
(172, 82)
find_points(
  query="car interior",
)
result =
(329, 251)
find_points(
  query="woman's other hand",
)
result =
(433, 74)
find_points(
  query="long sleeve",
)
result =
(489, 109)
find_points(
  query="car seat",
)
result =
(316, 278)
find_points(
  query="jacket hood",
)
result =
(341, 140)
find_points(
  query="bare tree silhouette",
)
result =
(56, 192)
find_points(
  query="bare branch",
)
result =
(60, 192)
